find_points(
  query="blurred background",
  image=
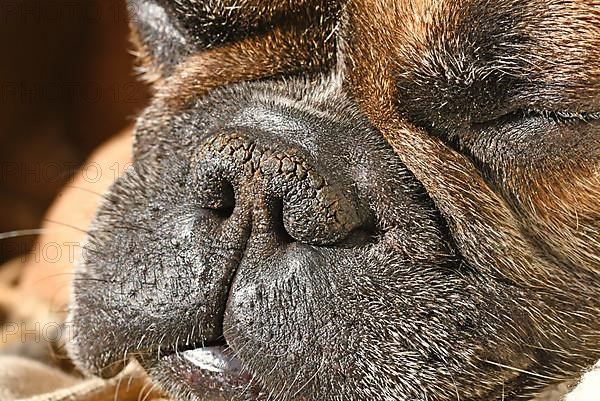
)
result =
(66, 85)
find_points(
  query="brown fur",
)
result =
(446, 83)
(559, 200)
(283, 51)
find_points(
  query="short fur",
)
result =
(366, 199)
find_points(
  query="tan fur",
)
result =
(150, 72)
(281, 51)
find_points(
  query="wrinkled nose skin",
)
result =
(273, 189)
(247, 220)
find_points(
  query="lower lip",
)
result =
(211, 373)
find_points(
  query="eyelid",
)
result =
(562, 115)
(548, 115)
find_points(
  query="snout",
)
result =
(261, 189)
(250, 227)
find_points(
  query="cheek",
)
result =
(563, 213)
(548, 173)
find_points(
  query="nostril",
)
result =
(227, 205)
(278, 226)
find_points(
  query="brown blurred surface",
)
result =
(66, 85)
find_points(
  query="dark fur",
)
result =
(406, 206)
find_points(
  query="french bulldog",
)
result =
(353, 200)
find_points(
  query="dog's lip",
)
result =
(212, 373)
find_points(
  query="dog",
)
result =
(353, 200)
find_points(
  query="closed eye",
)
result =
(560, 116)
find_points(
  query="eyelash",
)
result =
(560, 116)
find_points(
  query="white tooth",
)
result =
(207, 359)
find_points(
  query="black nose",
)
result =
(274, 188)
(255, 197)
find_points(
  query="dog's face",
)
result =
(356, 200)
